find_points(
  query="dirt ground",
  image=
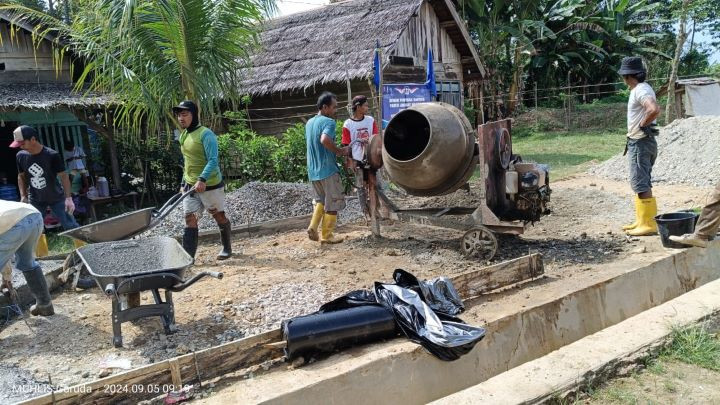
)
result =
(667, 382)
(281, 276)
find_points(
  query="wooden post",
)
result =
(347, 80)
(482, 103)
(536, 106)
(567, 104)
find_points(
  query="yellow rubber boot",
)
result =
(78, 243)
(317, 216)
(328, 227)
(647, 224)
(637, 215)
(41, 250)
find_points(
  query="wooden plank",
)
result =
(155, 378)
(175, 374)
(500, 275)
(263, 228)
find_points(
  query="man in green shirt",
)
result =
(199, 147)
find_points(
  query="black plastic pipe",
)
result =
(330, 331)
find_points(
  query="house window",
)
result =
(451, 93)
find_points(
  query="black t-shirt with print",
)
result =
(41, 173)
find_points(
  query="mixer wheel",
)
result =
(479, 242)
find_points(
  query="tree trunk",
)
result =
(514, 96)
(682, 36)
(50, 6)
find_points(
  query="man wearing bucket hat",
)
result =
(641, 146)
(201, 170)
(707, 225)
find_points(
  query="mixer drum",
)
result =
(429, 149)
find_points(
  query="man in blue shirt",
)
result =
(323, 170)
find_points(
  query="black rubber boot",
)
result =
(190, 241)
(38, 287)
(225, 237)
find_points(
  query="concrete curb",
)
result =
(614, 351)
(403, 372)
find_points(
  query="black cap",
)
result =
(21, 134)
(186, 105)
(631, 65)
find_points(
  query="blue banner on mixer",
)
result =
(397, 97)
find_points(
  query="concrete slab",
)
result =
(595, 358)
(400, 371)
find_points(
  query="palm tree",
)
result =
(151, 54)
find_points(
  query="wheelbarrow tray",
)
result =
(121, 227)
(136, 265)
(127, 225)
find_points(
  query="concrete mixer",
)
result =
(431, 149)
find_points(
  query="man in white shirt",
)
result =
(641, 147)
(356, 133)
(20, 228)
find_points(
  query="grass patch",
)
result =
(695, 345)
(616, 395)
(569, 153)
(59, 244)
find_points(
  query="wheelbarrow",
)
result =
(127, 225)
(121, 227)
(128, 267)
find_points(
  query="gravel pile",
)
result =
(257, 202)
(688, 153)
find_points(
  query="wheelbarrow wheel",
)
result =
(480, 243)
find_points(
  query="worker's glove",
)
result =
(650, 130)
(69, 205)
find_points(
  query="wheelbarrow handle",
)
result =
(170, 205)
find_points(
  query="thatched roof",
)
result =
(47, 96)
(306, 49)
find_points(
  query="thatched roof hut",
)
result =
(314, 47)
(325, 47)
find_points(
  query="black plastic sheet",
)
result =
(423, 310)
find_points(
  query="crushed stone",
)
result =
(688, 153)
(257, 202)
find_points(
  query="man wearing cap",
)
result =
(199, 148)
(20, 228)
(323, 171)
(42, 179)
(641, 146)
(356, 133)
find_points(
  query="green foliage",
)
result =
(246, 156)
(695, 345)
(160, 156)
(289, 158)
(151, 54)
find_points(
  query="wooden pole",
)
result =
(347, 80)
(536, 106)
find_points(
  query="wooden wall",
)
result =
(273, 114)
(425, 30)
(26, 64)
